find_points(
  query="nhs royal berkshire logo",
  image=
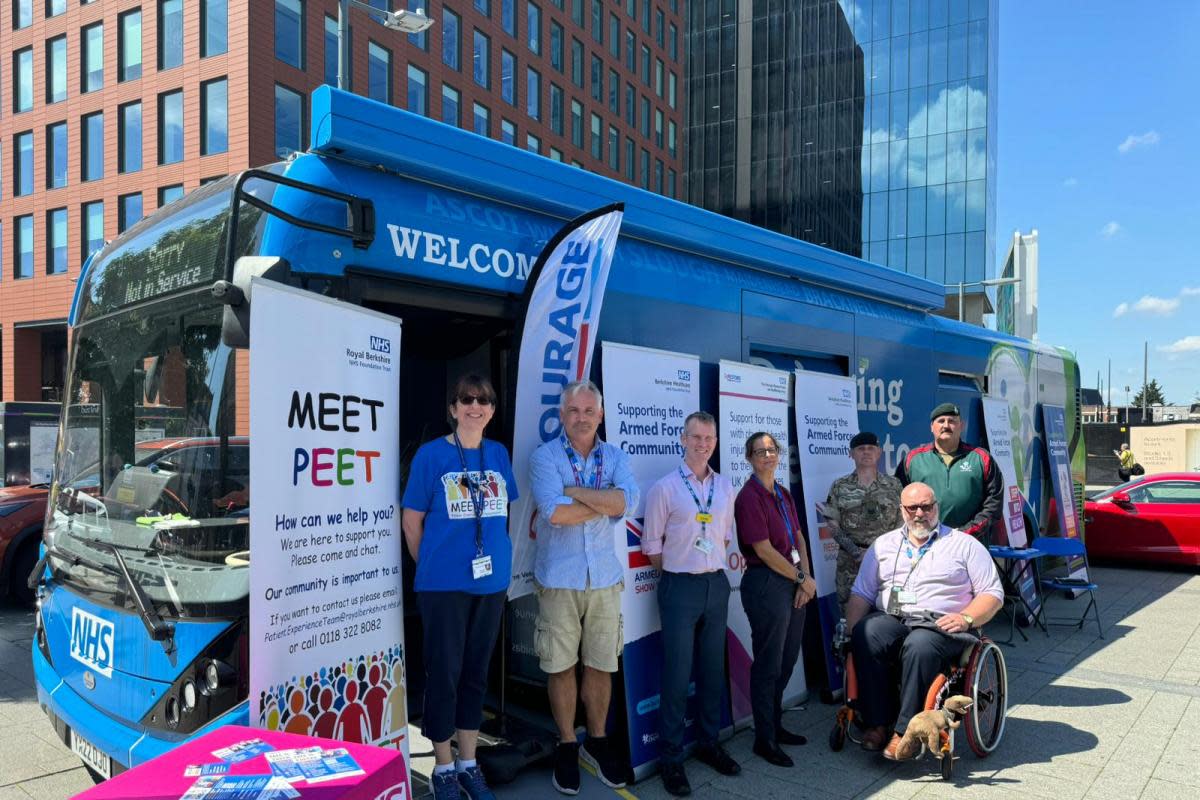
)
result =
(683, 374)
(92, 641)
(381, 344)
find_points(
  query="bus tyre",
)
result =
(18, 575)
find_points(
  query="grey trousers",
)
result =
(776, 631)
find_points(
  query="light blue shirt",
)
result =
(577, 556)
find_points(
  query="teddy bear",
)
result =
(926, 728)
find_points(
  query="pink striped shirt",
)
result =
(671, 528)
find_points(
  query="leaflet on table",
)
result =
(286, 763)
(329, 765)
(242, 751)
(196, 770)
(240, 787)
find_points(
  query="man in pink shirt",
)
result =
(688, 526)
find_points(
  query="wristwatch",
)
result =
(800, 576)
(967, 618)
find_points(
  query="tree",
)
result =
(1153, 393)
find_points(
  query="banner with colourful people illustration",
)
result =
(326, 606)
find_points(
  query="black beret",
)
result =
(944, 410)
(865, 437)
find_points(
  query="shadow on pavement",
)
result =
(1077, 697)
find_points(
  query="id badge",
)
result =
(907, 598)
(795, 557)
(703, 544)
(481, 567)
(704, 517)
(893, 602)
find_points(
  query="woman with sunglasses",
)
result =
(456, 526)
(775, 589)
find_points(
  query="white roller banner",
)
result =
(752, 399)
(1000, 445)
(327, 655)
(557, 341)
(826, 421)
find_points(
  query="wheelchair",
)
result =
(980, 673)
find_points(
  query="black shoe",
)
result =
(566, 768)
(784, 736)
(715, 756)
(770, 752)
(675, 779)
(599, 755)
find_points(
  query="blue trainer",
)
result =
(472, 782)
(445, 786)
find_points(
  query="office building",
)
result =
(118, 107)
(1017, 303)
(865, 126)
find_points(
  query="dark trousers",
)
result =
(694, 610)
(460, 632)
(887, 651)
(776, 630)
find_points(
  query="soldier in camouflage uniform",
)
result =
(861, 506)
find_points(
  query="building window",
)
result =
(597, 138)
(484, 7)
(614, 92)
(23, 80)
(646, 17)
(630, 105)
(23, 247)
(214, 27)
(630, 164)
(56, 155)
(658, 77)
(56, 241)
(577, 12)
(598, 21)
(91, 60)
(533, 93)
(91, 131)
(508, 17)
(55, 7)
(418, 40)
(170, 127)
(129, 45)
(418, 90)
(556, 109)
(577, 124)
(614, 148)
(92, 215)
(645, 177)
(645, 65)
(671, 131)
(532, 143)
(658, 175)
(481, 60)
(169, 194)
(508, 132)
(22, 14)
(659, 28)
(631, 51)
(289, 121)
(671, 89)
(450, 105)
(129, 211)
(556, 154)
(671, 183)
(556, 46)
(658, 128)
(170, 33)
(450, 44)
(379, 73)
(614, 35)
(508, 77)
(331, 52)
(673, 42)
(23, 164)
(129, 137)
(56, 70)
(289, 32)
(533, 21)
(577, 62)
(597, 79)
(210, 179)
(214, 117)
(645, 129)
(481, 120)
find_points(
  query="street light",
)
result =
(403, 21)
(987, 282)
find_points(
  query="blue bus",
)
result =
(142, 636)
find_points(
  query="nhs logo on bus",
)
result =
(381, 344)
(92, 641)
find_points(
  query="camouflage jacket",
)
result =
(862, 513)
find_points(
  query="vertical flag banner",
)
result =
(752, 399)
(562, 313)
(996, 416)
(326, 605)
(647, 396)
(826, 421)
(1054, 422)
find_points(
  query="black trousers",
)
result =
(694, 610)
(887, 651)
(460, 633)
(776, 630)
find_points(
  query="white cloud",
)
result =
(1150, 304)
(1070, 182)
(1121, 310)
(1110, 229)
(1189, 291)
(1188, 344)
(1135, 140)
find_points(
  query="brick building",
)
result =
(115, 108)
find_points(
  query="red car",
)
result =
(22, 512)
(1152, 518)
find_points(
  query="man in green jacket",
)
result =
(965, 479)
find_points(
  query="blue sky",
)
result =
(1099, 149)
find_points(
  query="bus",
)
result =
(144, 642)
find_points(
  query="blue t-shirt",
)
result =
(437, 486)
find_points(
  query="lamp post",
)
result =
(988, 282)
(403, 21)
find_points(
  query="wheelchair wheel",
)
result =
(837, 738)
(987, 682)
(947, 766)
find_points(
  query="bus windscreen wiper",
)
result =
(73, 559)
(159, 629)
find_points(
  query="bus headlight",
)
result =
(189, 696)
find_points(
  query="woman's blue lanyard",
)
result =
(705, 515)
(577, 467)
(477, 490)
(787, 519)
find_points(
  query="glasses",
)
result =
(924, 508)
(469, 399)
(765, 452)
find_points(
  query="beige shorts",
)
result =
(571, 620)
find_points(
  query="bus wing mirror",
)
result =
(235, 295)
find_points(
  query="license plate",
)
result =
(93, 756)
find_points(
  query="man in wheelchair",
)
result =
(921, 595)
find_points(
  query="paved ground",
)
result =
(1090, 718)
